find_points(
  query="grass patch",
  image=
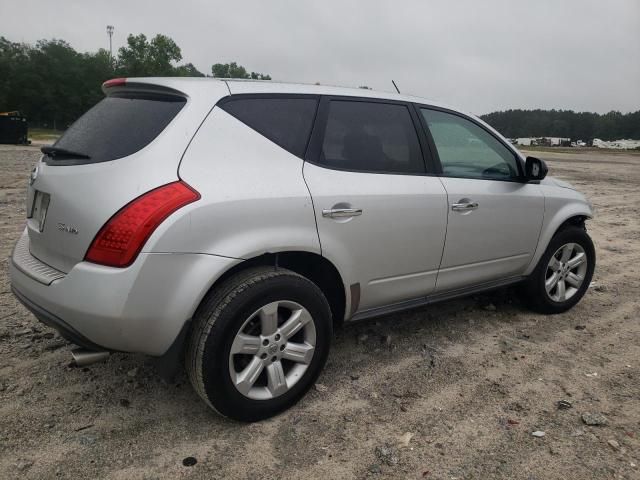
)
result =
(44, 134)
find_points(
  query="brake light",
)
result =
(115, 82)
(119, 241)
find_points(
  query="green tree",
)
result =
(155, 58)
(97, 68)
(59, 71)
(13, 59)
(233, 70)
(141, 57)
(50, 82)
(53, 84)
(565, 123)
(188, 70)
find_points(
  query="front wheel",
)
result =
(259, 342)
(563, 273)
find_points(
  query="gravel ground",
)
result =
(449, 391)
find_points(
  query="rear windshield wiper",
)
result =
(54, 152)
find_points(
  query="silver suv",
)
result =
(235, 223)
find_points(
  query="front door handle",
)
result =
(464, 206)
(342, 212)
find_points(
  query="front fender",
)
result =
(557, 212)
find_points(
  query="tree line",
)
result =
(565, 123)
(52, 84)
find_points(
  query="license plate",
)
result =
(40, 207)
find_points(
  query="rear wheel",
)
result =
(259, 342)
(563, 274)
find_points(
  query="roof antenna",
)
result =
(396, 86)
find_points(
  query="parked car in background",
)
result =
(240, 221)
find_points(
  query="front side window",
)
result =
(467, 150)
(285, 121)
(371, 137)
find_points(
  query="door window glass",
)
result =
(371, 137)
(467, 150)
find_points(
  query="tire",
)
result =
(534, 290)
(239, 306)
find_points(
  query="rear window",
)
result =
(286, 122)
(120, 125)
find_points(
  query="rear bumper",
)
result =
(49, 319)
(141, 308)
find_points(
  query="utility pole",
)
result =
(110, 33)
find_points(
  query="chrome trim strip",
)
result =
(406, 276)
(484, 262)
(438, 297)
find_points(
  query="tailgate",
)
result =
(129, 143)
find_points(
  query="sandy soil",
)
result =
(450, 391)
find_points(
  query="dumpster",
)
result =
(13, 128)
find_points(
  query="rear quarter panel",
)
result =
(254, 199)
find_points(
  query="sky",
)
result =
(478, 55)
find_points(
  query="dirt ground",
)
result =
(452, 391)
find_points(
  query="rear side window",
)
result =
(372, 137)
(120, 125)
(286, 122)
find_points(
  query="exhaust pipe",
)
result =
(82, 357)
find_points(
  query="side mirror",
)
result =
(535, 168)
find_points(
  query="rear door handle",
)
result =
(341, 212)
(464, 206)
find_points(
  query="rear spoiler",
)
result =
(117, 85)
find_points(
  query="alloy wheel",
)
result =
(272, 350)
(566, 272)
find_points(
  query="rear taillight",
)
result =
(119, 241)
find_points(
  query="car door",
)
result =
(380, 217)
(494, 216)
